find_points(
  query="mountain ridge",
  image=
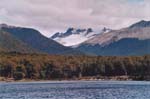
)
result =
(140, 24)
(103, 42)
(75, 36)
(38, 41)
(132, 40)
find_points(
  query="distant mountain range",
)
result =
(132, 40)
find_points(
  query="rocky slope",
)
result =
(115, 41)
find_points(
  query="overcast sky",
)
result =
(50, 16)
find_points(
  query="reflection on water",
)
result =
(76, 90)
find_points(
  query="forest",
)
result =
(58, 67)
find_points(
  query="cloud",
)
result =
(50, 16)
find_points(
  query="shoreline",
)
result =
(116, 78)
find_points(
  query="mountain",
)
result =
(9, 43)
(133, 40)
(73, 36)
(36, 40)
(123, 47)
(141, 24)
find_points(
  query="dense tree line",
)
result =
(47, 67)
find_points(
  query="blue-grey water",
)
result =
(76, 90)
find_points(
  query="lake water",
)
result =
(76, 90)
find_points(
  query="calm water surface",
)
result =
(76, 90)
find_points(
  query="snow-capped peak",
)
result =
(75, 36)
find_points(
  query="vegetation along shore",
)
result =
(28, 67)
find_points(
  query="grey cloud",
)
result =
(56, 15)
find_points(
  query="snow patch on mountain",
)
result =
(73, 36)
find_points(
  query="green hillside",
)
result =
(9, 43)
